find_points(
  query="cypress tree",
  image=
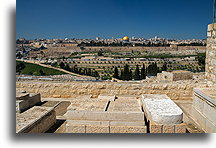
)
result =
(122, 75)
(126, 73)
(116, 74)
(67, 67)
(164, 67)
(131, 74)
(155, 68)
(137, 73)
(143, 72)
(62, 65)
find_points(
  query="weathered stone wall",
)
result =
(210, 53)
(175, 75)
(175, 90)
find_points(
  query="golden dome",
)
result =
(125, 38)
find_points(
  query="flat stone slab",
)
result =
(25, 101)
(35, 120)
(161, 109)
(108, 97)
(208, 94)
(104, 116)
(125, 105)
(22, 95)
(97, 105)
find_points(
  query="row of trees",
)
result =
(127, 73)
(78, 70)
(101, 43)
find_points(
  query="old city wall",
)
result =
(117, 49)
(175, 90)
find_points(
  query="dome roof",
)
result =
(125, 38)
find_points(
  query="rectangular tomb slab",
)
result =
(125, 105)
(22, 95)
(104, 116)
(27, 101)
(35, 120)
(161, 109)
(99, 105)
(107, 97)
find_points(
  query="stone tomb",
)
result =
(175, 75)
(204, 109)
(35, 120)
(25, 101)
(125, 105)
(103, 116)
(163, 114)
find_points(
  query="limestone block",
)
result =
(209, 34)
(180, 128)
(210, 113)
(161, 109)
(108, 97)
(22, 96)
(125, 105)
(34, 99)
(169, 128)
(35, 120)
(97, 129)
(127, 129)
(89, 105)
(127, 123)
(210, 127)
(104, 116)
(198, 103)
(211, 26)
(155, 128)
(88, 122)
(75, 128)
(21, 105)
(199, 118)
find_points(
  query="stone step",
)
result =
(104, 116)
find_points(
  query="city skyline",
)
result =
(85, 19)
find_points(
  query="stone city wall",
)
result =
(210, 53)
(175, 90)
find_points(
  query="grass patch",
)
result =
(34, 69)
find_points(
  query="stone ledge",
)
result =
(104, 116)
(35, 120)
(200, 92)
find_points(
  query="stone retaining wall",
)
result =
(210, 53)
(174, 90)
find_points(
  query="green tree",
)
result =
(131, 74)
(137, 73)
(62, 65)
(20, 67)
(41, 72)
(100, 53)
(122, 75)
(67, 67)
(116, 73)
(126, 73)
(143, 72)
(164, 67)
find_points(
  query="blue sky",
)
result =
(174, 19)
